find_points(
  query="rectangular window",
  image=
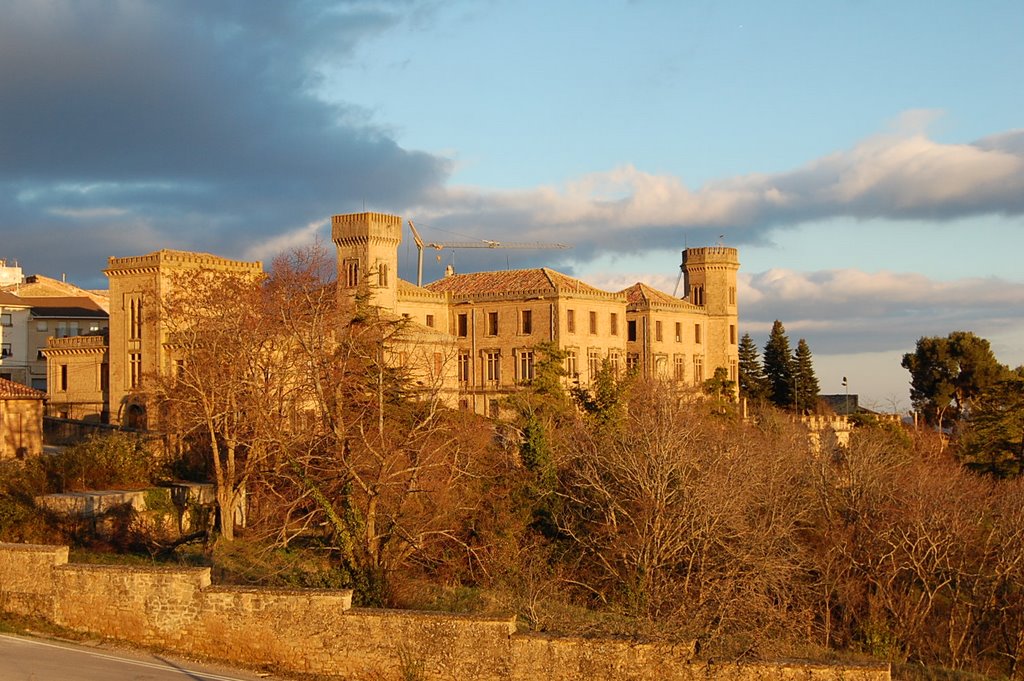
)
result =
(593, 323)
(5, 349)
(594, 364)
(352, 273)
(679, 332)
(430, 320)
(732, 295)
(526, 365)
(632, 361)
(696, 333)
(94, 327)
(492, 366)
(570, 321)
(62, 328)
(733, 370)
(492, 408)
(382, 274)
(104, 377)
(613, 362)
(62, 380)
(438, 364)
(5, 319)
(732, 334)
(657, 331)
(698, 370)
(464, 367)
(679, 368)
(631, 330)
(613, 323)
(570, 364)
(492, 323)
(134, 369)
(463, 324)
(526, 322)
(73, 329)
(41, 326)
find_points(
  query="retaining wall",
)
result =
(318, 632)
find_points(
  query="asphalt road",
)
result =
(33, 659)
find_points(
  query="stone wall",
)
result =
(318, 632)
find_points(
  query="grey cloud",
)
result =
(852, 311)
(191, 121)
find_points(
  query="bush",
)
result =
(101, 462)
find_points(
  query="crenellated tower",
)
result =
(709, 276)
(367, 245)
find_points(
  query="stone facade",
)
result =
(498, 318)
(78, 376)
(470, 338)
(21, 420)
(318, 632)
(137, 334)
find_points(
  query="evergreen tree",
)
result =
(778, 366)
(993, 440)
(805, 382)
(753, 382)
(948, 374)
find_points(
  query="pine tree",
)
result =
(778, 366)
(753, 382)
(804, 380)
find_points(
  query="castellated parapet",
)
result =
(367, 246)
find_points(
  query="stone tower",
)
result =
(709, 276)
(367, 246)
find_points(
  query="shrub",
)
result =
(102, 461)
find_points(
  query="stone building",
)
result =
(78, 377)
(472, 338)
(137, 335)
(498, 318)
(21, 420)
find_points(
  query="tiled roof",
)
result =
(541, 280)
(12, 300)
(640, 293)
(9, 390)
(65, 306)
(407, 287)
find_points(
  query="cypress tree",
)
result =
(805, 381)
(778, 366)
(753, 382)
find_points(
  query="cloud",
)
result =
(126, 127)
(900, 174)
(852, 311)
(196, 120)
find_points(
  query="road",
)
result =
(33, 659)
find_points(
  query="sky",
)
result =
(866, 158)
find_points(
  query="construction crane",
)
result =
(482, 243)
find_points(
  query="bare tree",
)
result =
(221, 370)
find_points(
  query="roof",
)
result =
(40, 286)
(11, 300)
(65, 306)
(642, 294)
(541, 280)
(9, 390)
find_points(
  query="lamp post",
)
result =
(847, 386)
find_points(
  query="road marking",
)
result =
(167, 667)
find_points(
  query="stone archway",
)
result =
(135, 417)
